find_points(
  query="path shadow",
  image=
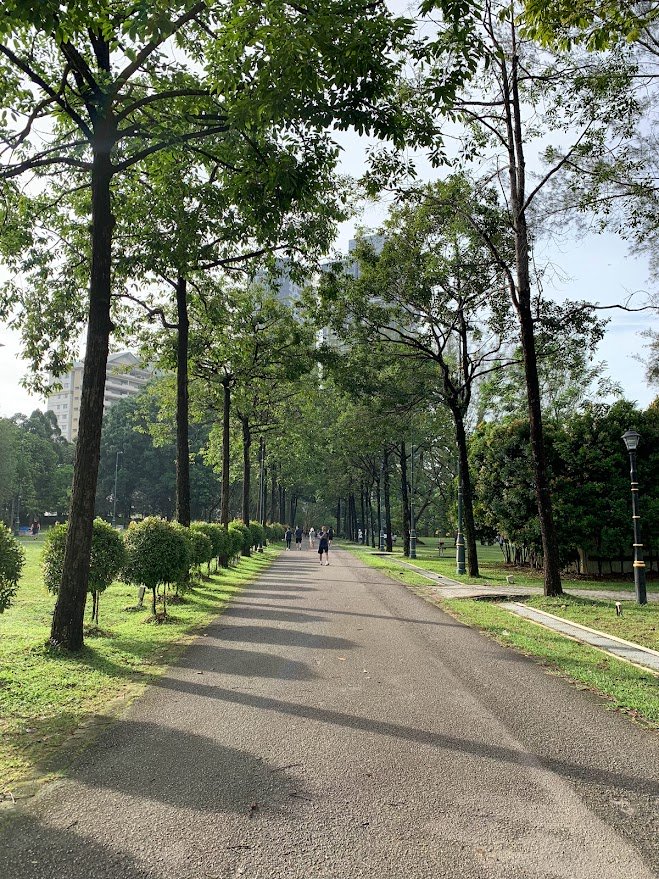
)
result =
(214, 657)
(574, 771)
(282, 637)
(440, 623)
(181, 769)
(256, 612)
(30, 850)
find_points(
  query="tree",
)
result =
(109, 92)
(12, 559)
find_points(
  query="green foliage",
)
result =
(108, 556)
(202, 546)
(275, 532)
(241, 538)
(258, 533)
(12, 559)
(157, 553)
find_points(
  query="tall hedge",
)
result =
(242, 544)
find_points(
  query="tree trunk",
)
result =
(379, 509)
(226, 409)
(182, 406)
(522, 301)
(387, 501)
(338, 517)
(273, 492)
(467, 495)
(404, 498)
(67, 625)
(363, 514)
(247, 467)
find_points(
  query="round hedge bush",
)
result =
(258, 533)
(12, 559)
(275, 532)
(107, 560)
(215, 534)
(241, 538)
(157, 553)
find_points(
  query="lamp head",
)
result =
(631, 440)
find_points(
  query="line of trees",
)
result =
(148, 157)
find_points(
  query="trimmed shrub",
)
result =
(158, 553)
(215, 534)
(107, 560)
(12, 559)
(241, 538)
(275, 532)
(202, 548)
(258, 533)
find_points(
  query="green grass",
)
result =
(493, 569)
(624, 686)
(46, 694)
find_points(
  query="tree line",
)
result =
(151, 177)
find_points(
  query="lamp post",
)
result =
(459, 538)
(631, 440)
(114, 496)
(412, 523)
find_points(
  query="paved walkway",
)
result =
(447, 588)
(331, 725)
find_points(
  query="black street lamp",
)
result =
(459, 537)
(631, 439)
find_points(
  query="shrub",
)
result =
(275, 532)
(215, 534)
(258, 533)
(241, 538)
(107, 560)
(12, 559)
(157, 554)
(202, 548)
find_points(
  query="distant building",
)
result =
(124, 378)
(375, 241)
(280, 282)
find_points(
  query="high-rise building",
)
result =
(124, 377)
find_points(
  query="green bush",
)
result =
(12, 559)
(258, 533)
(158, 553)
(107, 560)
(241, 538)
(216, 535)
(202, 548)
(275, 532)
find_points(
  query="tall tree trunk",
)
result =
(387, 501)
(363, 513)
(338, 516)
(273, 492)
(404, 497)
(247, 467)
(379, 508)
(182, 406)
(522, 302)
(226, 432)
(68, 617)
(467, 495)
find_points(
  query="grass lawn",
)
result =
(493, 569)
(46, 694)
(624, 686)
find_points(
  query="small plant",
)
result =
(157, 554)
(106, 563)
(12, 559)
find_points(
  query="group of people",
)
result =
(325, 537)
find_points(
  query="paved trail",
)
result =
(331, 725)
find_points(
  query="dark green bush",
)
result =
(12, 559)
(157, 554)
(241, 538)
(258, 533)
(107, 560)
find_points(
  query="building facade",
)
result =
(124, 377)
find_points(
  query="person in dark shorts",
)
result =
(323, 546)
(330, 536)
(288, 537)
(298, 537)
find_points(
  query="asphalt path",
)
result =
(332, 724)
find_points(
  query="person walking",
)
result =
(312, 537)
(330, 536)
(288, 536)
(298, 537)
(323, 546)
